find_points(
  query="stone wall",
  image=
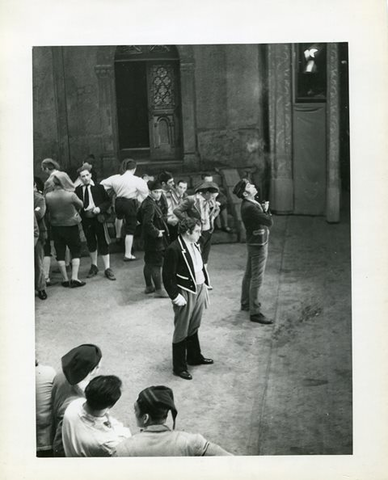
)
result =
(227, 105)
(229, 94)
(82, 103)
(44, 112)
(66, 113)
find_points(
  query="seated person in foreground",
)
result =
(155, 438)
(88, 430)
(79, 365)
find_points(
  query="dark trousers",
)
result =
(66, 237)
(205, 243)
(253, 278)
(186, 352)
(127, 208)
(173, 231)
(96, 235)
(153, 273)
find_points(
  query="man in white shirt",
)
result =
(130, 190)
(88, 430)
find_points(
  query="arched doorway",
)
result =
(148, 102)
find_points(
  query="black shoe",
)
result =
(42, 294)
(65, 284)
(109, 274)
(184, 374)
(260, 318)
(92, 272)
(76, 283)
(149, 289)
(204, 361)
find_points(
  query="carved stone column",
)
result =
(333, 194)
(107, 102)
(280, 127)
(190, 155)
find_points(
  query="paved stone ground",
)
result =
(273, 390)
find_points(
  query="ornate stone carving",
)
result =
(280, 110)
(280, 127)
(187, 68)
(105, 75)
(162, 86)
(104, 70)
(142, 49)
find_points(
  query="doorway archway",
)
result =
(110, 154)
(149, 114)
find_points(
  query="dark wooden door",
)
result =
(163, 110)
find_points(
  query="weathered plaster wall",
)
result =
(82, 103)
(44, 112)
(210, 85)
(229, 103)
(66, 113)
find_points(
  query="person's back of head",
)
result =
(153, 404)
(49, 165)
(103, 392)
(62, 180)
(127, 164)
(80, 361)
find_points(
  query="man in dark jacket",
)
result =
(155, 238)
(96, 204)
(257, 221)
(186, 280)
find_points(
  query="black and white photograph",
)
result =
(251, 144)
(205, 276)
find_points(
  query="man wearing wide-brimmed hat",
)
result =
(203, 206)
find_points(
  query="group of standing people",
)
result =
(177, 230)
(67, 211)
